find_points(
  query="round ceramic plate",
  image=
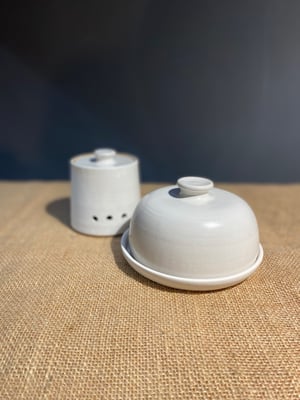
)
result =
(186, 283)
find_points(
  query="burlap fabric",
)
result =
(78, 323)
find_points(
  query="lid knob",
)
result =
(105, 155)
(194, 185)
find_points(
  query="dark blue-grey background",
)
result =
(209, 88)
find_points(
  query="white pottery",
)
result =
(105, 190)
(193, 236)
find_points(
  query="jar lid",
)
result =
(103, 158)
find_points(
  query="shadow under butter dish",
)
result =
(193, 236)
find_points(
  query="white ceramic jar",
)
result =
(193, 236)
(105, 190)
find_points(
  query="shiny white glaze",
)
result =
(200, 284)
(210, 235)
(105, 190)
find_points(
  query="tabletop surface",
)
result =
(78, 323)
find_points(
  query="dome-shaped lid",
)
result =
(103, 158)
(195, 201)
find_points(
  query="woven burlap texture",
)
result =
(78, 323)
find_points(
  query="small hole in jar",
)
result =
(124, 215)
(95, 218)
(109, 217)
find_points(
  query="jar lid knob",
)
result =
(194, 185)
(105, 155)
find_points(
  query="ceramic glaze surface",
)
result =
(194, 231)
(105, 190)
(176, 282)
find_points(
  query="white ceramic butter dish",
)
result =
(193, 236)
